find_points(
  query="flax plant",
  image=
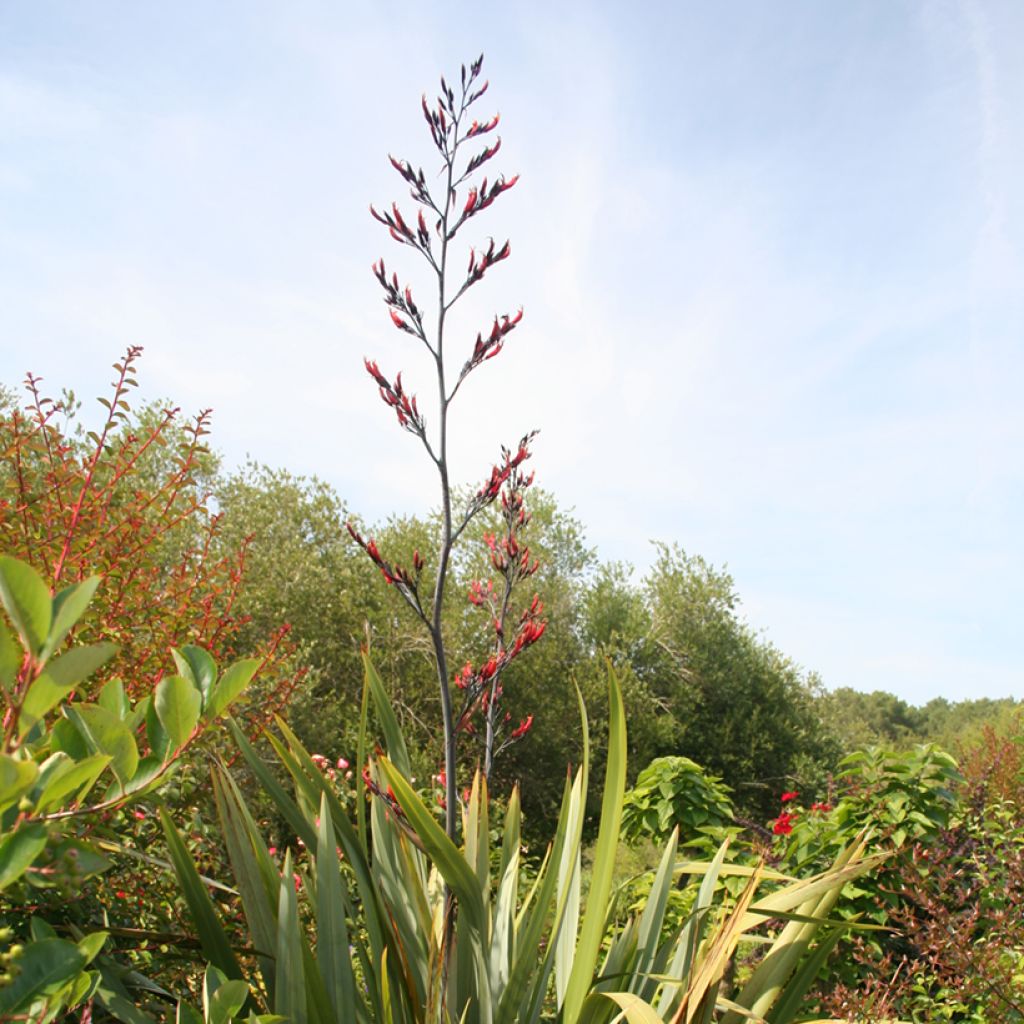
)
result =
(443, 214)
(527, 945)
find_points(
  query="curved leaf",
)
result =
(177, 703)
(27, 600)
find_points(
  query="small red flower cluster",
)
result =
(783, 824)
(393, 394)
(407, 582)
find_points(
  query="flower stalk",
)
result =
(431, 233)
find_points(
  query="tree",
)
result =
(746, 712)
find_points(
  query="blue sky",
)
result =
(770, 257)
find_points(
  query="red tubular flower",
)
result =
(786, 797)
(523, 728)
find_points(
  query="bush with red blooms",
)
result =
(127, 502)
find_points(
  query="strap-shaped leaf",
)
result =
(290, 986)
(394, 741)
(442, 851)
(212, 937)
(332, 944)
(592, 930)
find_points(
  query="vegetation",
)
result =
(396, 822)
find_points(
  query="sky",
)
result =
(769, 254)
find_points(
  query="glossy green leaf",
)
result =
(88, 860)
(91, 945)
(113, 698)
(156, 734)
(11, 656)
(62, 675)
(43, 968)
(105, 733)
(18, 850)
(228, 1001)
(230, 685)
(177, 703)
(66, 738)
(17, 777)
(72, 777)
(68, 607)
(27, 600)
(196, 665)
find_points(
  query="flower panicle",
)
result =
(480, 197)
(399, 301)
(489, 347)
(393, 573)
(393, 394)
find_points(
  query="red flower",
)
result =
(523, 728)
(786, 797)
(783, 824)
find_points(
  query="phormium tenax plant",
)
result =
(442, 215)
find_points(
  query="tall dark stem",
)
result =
(436, 635)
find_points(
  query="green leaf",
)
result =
(235, 679)
(394, 741)
(177, 703)
(227, 1001)
(16, 778)
(332, 946)
(27, 600)
(212, 937)
(105, 733)
(44, 967)
(290, 985)
(18, 850)
(149, 769)
(40, 929)
(88, 860)
(70, 776)
(159, 742)
(66, 738)
(11, 656)
(592, 930)
(62, 675)
(90, 945)
(198, 667)
(448, 859)
(113, 698)
(68, 607)
(187, 1014)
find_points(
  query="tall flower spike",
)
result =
(451, 125)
